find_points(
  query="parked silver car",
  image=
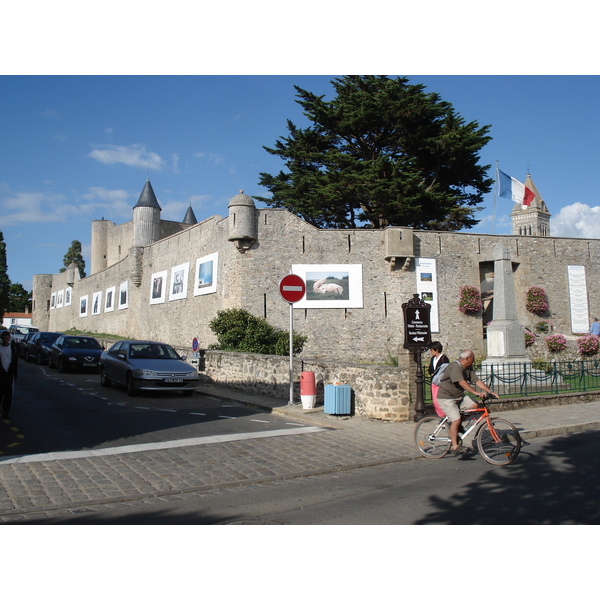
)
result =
(150, 366)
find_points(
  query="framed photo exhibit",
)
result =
(179, 282)
(68, 296)
(53, 301)
(330, 286)
(123, 295)
(205, 279)
(83, 306)
(426, 273)
(59, 298)
(158, 287)
(96, 303)
(109, 299)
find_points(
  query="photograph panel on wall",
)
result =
(68, 296)
(330, 286)
(109, 299)
(53, 301)
(426, 273)
(59, 298)
(123, 295)
(205, 281)
(83, 306)
(158, 287)
(179, 282)
(97, 303)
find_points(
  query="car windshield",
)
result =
(82, 343)
(152, 351)
(49, 337)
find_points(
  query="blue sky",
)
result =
(78, 148)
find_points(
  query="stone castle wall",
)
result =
(249, 279)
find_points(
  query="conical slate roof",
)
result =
(147, 197)
(190, 217)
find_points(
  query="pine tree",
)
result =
(382, 152)
(74, 255)
(4, 280)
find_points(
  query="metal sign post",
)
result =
(292, 289)
(417, 338)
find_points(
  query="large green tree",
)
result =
(4, 280)
(19, 299)
(74, 255)
(381, 152)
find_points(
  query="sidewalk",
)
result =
(326, 444)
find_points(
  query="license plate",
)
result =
(90, 364)
(173, 380)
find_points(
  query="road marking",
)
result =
(198, 441)
(199, 414)
(259, 421)
(226, 417)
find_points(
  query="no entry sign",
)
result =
(292, 288)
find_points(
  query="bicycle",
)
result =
(498, 441)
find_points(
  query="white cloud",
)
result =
(136, 155)
(577, 221)
(30, 207)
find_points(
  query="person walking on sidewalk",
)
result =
(595, 328)
(8, 371)
(458, 379)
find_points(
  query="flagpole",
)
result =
(495, 197)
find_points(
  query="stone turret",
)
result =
(242, 221)
(146, 218)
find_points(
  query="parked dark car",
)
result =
(38, 346)
(22, 345)
(71, 352)
(151, 366)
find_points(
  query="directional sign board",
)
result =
(292, 288)
(417, 326)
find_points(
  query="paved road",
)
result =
(56, 412)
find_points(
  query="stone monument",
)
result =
(505, 335)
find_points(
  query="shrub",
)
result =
(239, 331)
(470, 299)
(537, 301)
(556, 342)
(588, 344)
(529, 339)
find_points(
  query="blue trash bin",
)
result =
(337, 399)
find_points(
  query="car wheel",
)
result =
(131, 391)
(39, 358)
(62, 367)
(26, 355)
(104, 380)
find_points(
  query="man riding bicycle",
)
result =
(457, 379)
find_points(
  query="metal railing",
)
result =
(534, 379)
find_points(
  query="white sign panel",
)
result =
(580, 320)
(425, 269)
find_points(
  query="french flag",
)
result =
(514, 190)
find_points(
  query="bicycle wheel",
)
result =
(500, 446)
(432, 439)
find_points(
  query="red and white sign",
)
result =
(292, 288)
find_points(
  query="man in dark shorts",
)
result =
(457, 380)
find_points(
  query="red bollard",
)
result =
(308, 389)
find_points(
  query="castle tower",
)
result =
(146, 218)
(99, 251)
(533, 219)
(190, 217)
(242, 222)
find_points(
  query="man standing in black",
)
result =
(8, 372)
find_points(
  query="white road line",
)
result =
(259, 421)
(226, 417)
(198, 441)
(199, 414)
